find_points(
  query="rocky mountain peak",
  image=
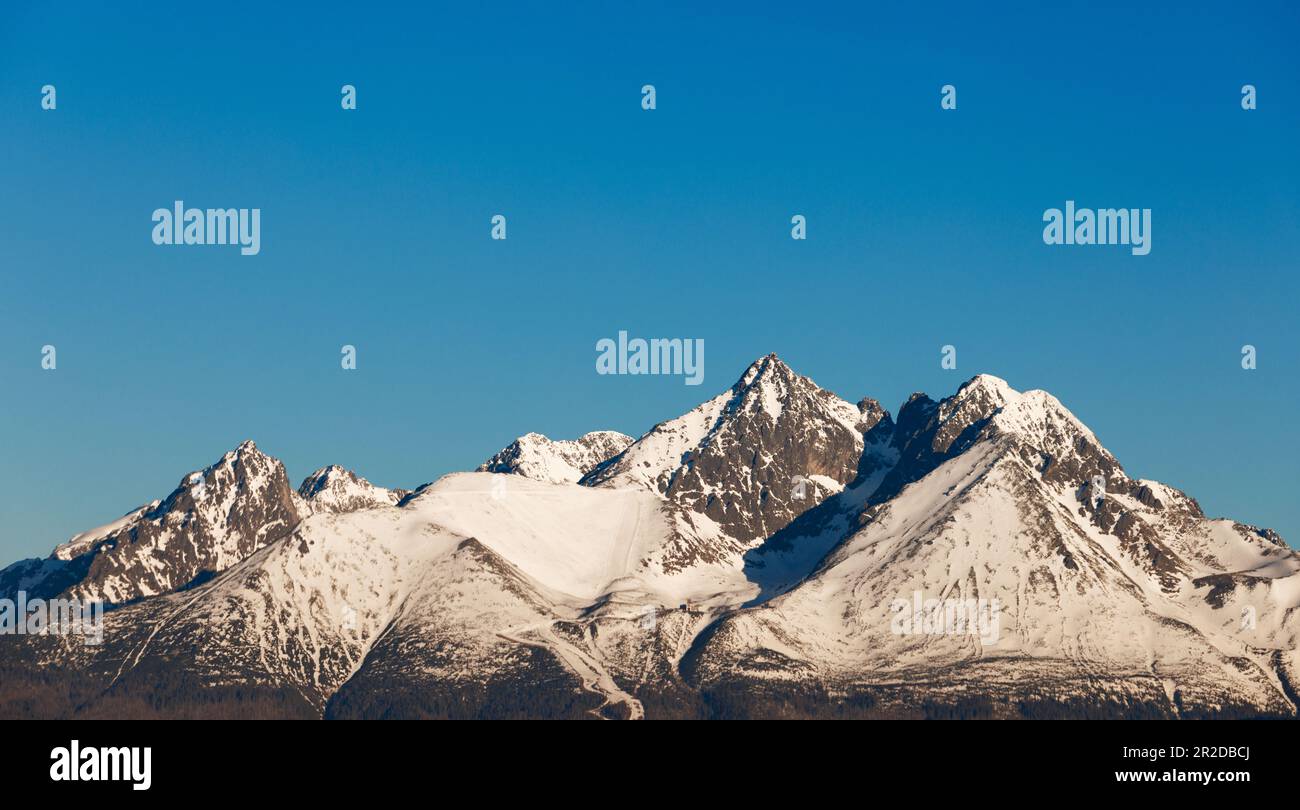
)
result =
(214, 518)
(871, 413)
(769, 367)
(747, 462)
(986, 407)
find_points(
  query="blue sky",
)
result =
(924, 229)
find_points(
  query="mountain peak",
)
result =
(534, 455)
(214, 518)
(246, 446)
(987, 408)
(245, 449)
(983, 392)
(745, 463)
(767, 366)
(872, 413)
(338, 489)
(986, 397)
(987, 382)
(321, 478)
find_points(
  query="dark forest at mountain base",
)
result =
(551, 692)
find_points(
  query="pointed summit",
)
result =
(987, 408)
(767, 385)
(335, 489)
(747, 462)
(214, 518)
(996, 386)
(768, 365)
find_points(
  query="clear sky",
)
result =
(924, 229)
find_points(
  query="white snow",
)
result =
(557, 461)
(78, 543)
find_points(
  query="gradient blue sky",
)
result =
(924, 229)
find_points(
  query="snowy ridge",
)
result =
(83, 541)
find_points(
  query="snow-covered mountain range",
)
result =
(776, 551)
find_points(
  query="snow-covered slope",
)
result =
(463, 584)
(567, 460)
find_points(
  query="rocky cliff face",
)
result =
(744, 464)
